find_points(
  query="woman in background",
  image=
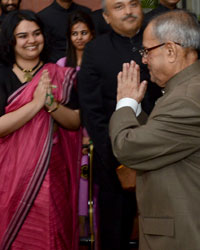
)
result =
(40, 142)
(79, 32)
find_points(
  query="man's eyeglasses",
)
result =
(145, 51)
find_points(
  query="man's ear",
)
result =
(171, 51)
(106, 16)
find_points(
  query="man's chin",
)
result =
(153, 79)
(10, 9)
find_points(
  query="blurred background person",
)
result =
(8, 6)
(39, 151)
(80, 31)
(55, 18)
(163, 6)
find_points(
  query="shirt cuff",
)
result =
(129, 102)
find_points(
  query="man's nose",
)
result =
(144, 60)
(10, 1)
(128, 9)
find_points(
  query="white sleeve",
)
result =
(129, 102)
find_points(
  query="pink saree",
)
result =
(39, 175)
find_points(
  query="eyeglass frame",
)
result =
(145, 51)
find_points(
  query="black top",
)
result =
(100, 24)
(97, 85)
(55, 19)
(9, 83)
(2, 17)
(157, 11)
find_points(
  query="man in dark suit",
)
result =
(165, 151)
(164, 6)
(55, 19)
(97, 87)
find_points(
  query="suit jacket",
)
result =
(166, 154)
(97, 87)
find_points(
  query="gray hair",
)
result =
(178, 26)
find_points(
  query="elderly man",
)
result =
(166, 151)
(97, 87)
(55, 19)
(7, 6)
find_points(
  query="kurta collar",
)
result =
(184, 75)
(128, 39)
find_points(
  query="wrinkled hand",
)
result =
(127, 178)
(42, 89)
(129, 83)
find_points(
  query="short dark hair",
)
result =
(7, 38)
(74, 18)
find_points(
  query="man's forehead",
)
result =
(121, 1)
(148, 35)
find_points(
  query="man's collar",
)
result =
(126, 37)
(182, 76)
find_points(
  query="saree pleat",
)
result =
(39, 176)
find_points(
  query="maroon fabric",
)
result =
(39, 185)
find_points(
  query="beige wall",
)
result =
(37, 5)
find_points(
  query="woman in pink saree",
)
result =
(40, 142)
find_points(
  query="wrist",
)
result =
(53, 107)
(49, 99)
(37, 105)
